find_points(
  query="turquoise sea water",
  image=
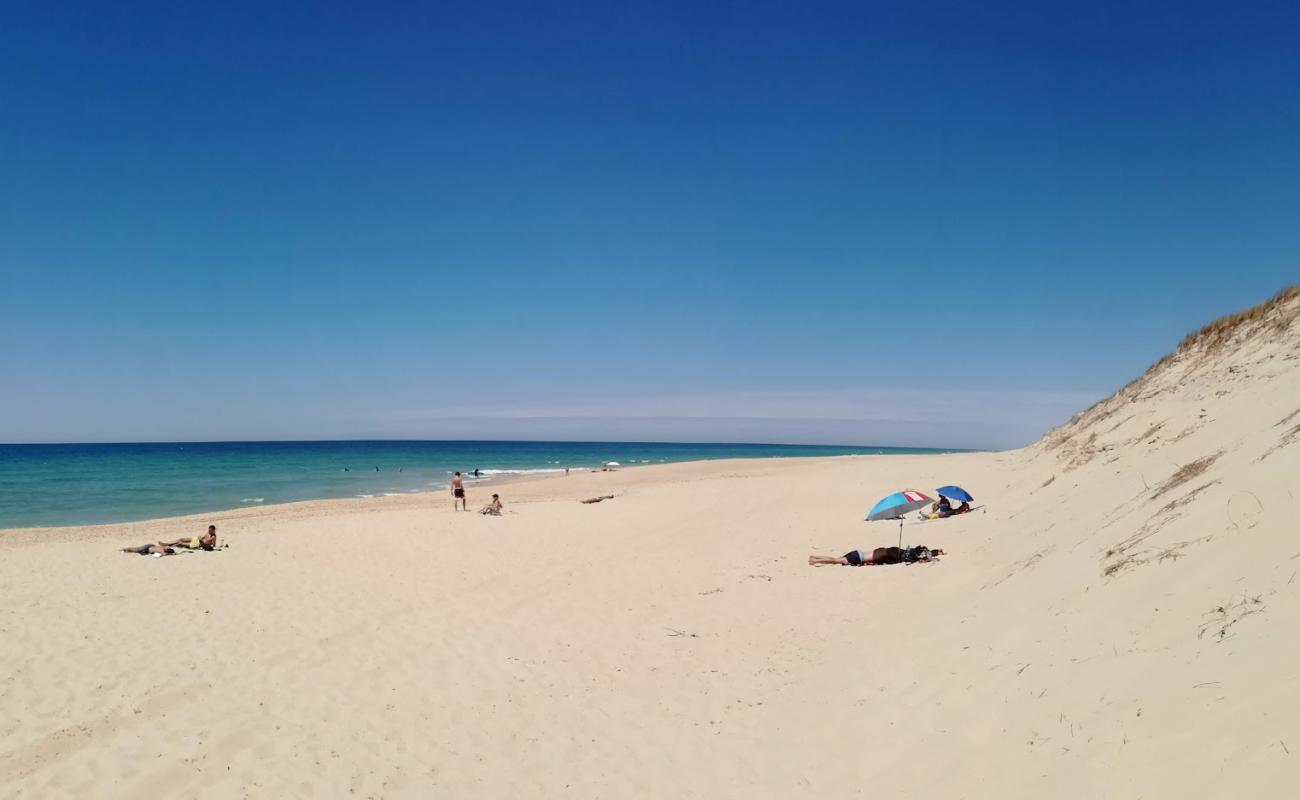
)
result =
(82, 484)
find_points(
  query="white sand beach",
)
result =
(1119, 621)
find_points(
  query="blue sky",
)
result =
(867, 223)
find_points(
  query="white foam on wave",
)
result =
(366, 496)
(253, 500)
(490, 472)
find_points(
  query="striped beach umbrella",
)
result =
(898, 504)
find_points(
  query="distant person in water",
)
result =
(494, 508)
(881, 555)
(458, 493)
(207, 541)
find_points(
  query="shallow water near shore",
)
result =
(84, 484)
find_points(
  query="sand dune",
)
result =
(1120, 622)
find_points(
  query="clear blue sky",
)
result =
(894, 223)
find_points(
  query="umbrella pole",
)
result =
(900, 532)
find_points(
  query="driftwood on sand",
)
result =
(597, 499)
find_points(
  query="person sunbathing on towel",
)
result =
(150, 550)
(881, 555)
(207, 541)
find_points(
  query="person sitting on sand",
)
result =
(881, 555)
(964, 508)
(943, 508)
(150, 550)
(207, 541)
(493, 508)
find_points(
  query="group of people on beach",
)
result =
(853, 558)
(944, 508)
(941, 509)
(207, 541)
(459, 502)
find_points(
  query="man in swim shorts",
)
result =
(458, 493)
(881, 555)
(207, 541)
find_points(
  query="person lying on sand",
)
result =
(493, 508)
(964, 508)
(881, 555)
(150, 550)
(207, 541)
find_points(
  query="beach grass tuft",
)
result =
(1186, 472)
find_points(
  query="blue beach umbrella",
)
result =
(955, 493)
(896, 505)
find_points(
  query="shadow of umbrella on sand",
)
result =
(898, 504)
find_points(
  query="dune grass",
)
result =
(1186, 472)
(1276, 315)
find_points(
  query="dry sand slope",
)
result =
(1122, 622)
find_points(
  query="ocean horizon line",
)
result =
(404, 439)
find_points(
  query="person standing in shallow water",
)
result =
(458, 493)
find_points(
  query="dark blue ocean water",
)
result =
(81, 484)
